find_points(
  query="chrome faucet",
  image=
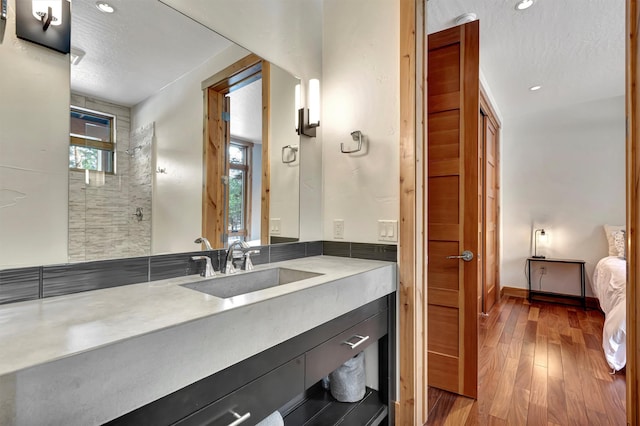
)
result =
(203, 240)
(208, 270)
(247, 265)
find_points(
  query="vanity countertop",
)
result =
(127, 346)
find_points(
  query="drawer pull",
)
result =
(239, 418)
(358, 343)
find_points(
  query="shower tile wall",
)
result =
(102, 221)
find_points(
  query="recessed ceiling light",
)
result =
(524, 4)
(534, 88)
(465, 18)
(105, 7)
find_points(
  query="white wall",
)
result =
(285, 32)
(563, 171)
(34, 153)
(178, 112)
(284, 183)
(360, 91)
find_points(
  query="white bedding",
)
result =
(609, 286)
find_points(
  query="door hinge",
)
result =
(226, 116)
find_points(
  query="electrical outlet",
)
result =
(387, 230)
(338, 228)
(543, 270)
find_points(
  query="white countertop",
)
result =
(127, 346)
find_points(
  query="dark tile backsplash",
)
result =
(46, 281)
(281, 252)
(19, 284)
(336, 248)
(314, 248)
(179, 265)
(384, 252)
(74, 278)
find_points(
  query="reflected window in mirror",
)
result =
(239, 190)
(92, 141)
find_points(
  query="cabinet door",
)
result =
(328, 356)
(254, 401)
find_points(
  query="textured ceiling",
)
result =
(573, 48)
(137, 50)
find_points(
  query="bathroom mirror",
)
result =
(140, 66)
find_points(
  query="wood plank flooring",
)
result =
(539, 364)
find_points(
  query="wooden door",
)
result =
(452, 214)
(490, 212)
(213, 203)
(633, 209)
(216, 144)
(481, 222)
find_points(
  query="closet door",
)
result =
(490, 207)
(452, 215)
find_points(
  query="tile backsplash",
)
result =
(54, 280)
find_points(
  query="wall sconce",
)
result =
(45, 22)
(308, 119)
(543, 237)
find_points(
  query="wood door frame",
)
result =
(412, 399)
(633, 207)
(413, 389)
(238, 74)
(490, 112)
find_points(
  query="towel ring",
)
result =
(294, 149)
(357, 136)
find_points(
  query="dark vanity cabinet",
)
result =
(287, 378)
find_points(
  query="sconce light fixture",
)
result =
(543, 235)
(45, 22)
(308, 119)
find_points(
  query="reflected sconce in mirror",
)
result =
(45, 22)
(542, 237)
(308, 119)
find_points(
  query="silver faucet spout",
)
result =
(227, 266)
(208, 270)
(203, 240)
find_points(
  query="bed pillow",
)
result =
(608, 231)
(620, 243)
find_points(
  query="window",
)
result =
(92, 141)
(239, 189)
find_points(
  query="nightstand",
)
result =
(548, 295)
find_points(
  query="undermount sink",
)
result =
(225, 286)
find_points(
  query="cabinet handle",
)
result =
(239, 418)
(358, 343)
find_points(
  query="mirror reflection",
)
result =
(137, 173)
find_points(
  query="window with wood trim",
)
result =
(92, 143)
(239, 190)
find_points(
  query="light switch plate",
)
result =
(338, 228)
(388, 230)
(274, 228)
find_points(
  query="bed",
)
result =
(609, 286)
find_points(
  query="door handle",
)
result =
(466, 255)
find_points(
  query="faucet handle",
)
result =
(229, 268)
(208, 269)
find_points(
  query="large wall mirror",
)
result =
(136, 145)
